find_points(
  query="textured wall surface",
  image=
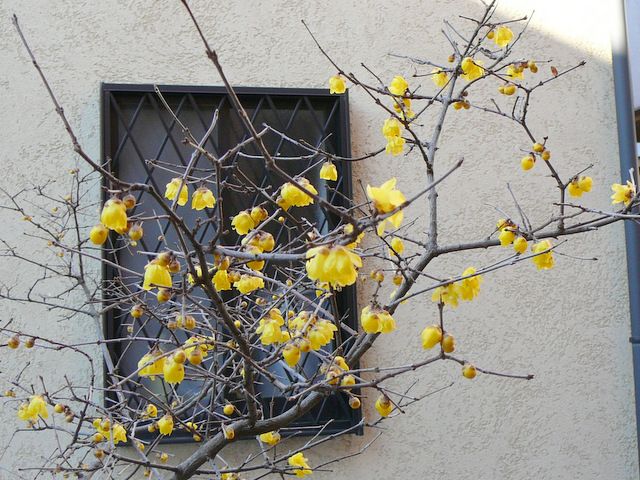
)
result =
(568, 326)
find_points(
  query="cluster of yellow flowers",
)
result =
(247, 220)
(392, 131)
(376, 320)
(466, 289)
(105, 431)
(114, 217)
(336, 371)
(538, 150)
(509, 235)
(623, 193)
(171, 367)
(269, 328)
(292, 196)
(202, 197)
(300, 465)
(336, 265)
(579, 185)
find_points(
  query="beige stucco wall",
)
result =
(568, 326)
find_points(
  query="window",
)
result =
(143, 142)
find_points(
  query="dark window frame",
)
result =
(347, 300)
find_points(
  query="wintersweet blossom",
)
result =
(156, 275)
(270, 438)
(243, 222)
(376, 320)
(114, 215)
(328, 171)
(336, 265)
(33, 410)
(623, 193)
(384, 406)
(151, 364)
(386, 198)
(469, 288)
(337, 84)
(398, 86)
(503, 36)
(202, 198)
(439, 77)
(580, 185)
(447, 294)
(300, 465)
(248, 283)
(471, 69)
(431, 336)
(292, 196)
(172, 191)
(543, 261)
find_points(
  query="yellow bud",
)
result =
(228, 409)
(29, 342)
(546, 155)
(179, 356)
(448, 343)
(136, 311)
(163, 295)
(99, 454)
(354, 403)
(527, 162)
(237, 323)
(469, 371)
(229, 432)
(491, 34)
(189, 322)
(538, 147)
(164, 457)
(129, 201)
(58, 408)
(98, 437)
(14, 342)
(451, 58)
(195, 357)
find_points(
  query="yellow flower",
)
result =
(329, 171)
(165, 425)
(243, 222)
(543, 261)
(520, 245)
(321, 334)
(515, 72)
(447, 294)
(431, 336)
(248, 283)
(114, 215)
(119, 434)
(503, 36)
(398, 86)
(156, 275)
(292, 196)
(98, 234)
(270, 438)
(439, 77)
(291, 354)
(469, 371)
(269, 328)
(337, 84)
(623, 193)
(507, 236)
(33, 410)
(397, 246)
(376, 320)
(469, 288)
(395, 146)
(384, 406)
(198, 342)
(471, 69)
(391, 128)
(337, 265)
(172, 191)
(585, 183)
(255, 264)
(387, 198)
(403, 108)
(202, 198)
(151, 364)
(258, 214)
(221, 280)
(151, 411)
(173, 371)
(299, 462)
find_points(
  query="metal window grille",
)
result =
(141, 141)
